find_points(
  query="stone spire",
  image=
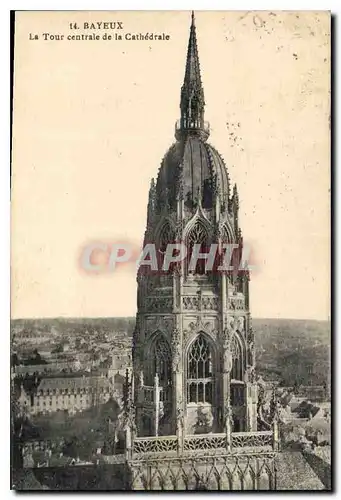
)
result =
(192, 104)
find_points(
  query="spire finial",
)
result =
(192, 93)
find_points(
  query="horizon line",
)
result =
(134, 316)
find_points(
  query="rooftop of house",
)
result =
(307, 409)
(73, 383)
(48, 367)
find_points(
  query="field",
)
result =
(293, 350)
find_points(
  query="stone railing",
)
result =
(179, 125)
(161, 444)
(148, 393)
(211, 444)
(252, 440)
(205, 442)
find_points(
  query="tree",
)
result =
(36, 359)
(81, 446)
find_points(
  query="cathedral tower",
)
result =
(193, 346)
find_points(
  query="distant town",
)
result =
(68, 379)
(67, 389)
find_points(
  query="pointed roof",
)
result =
(192, 73)
(192, 103)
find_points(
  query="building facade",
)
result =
(71, 394)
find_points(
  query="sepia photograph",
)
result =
(171, 251)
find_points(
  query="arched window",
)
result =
(146, 428)
(237, 377)
(198, 236)
(200, 372)
(160, 357)
(166, 236)
(226, 234)
(237, 359)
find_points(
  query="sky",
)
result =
(93, 119)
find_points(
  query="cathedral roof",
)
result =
(191, 167)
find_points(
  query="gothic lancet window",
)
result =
(160, 358)
(237, 359)
(237, 374)
(230, 254)
(225, 236)
(200, 372)
(198, 236)
(166, 236)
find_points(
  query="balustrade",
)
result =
(159, 444)
(221, 444)
(192, 125)
(252, 439)
(149, 394)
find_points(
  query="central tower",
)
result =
(193, 345)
